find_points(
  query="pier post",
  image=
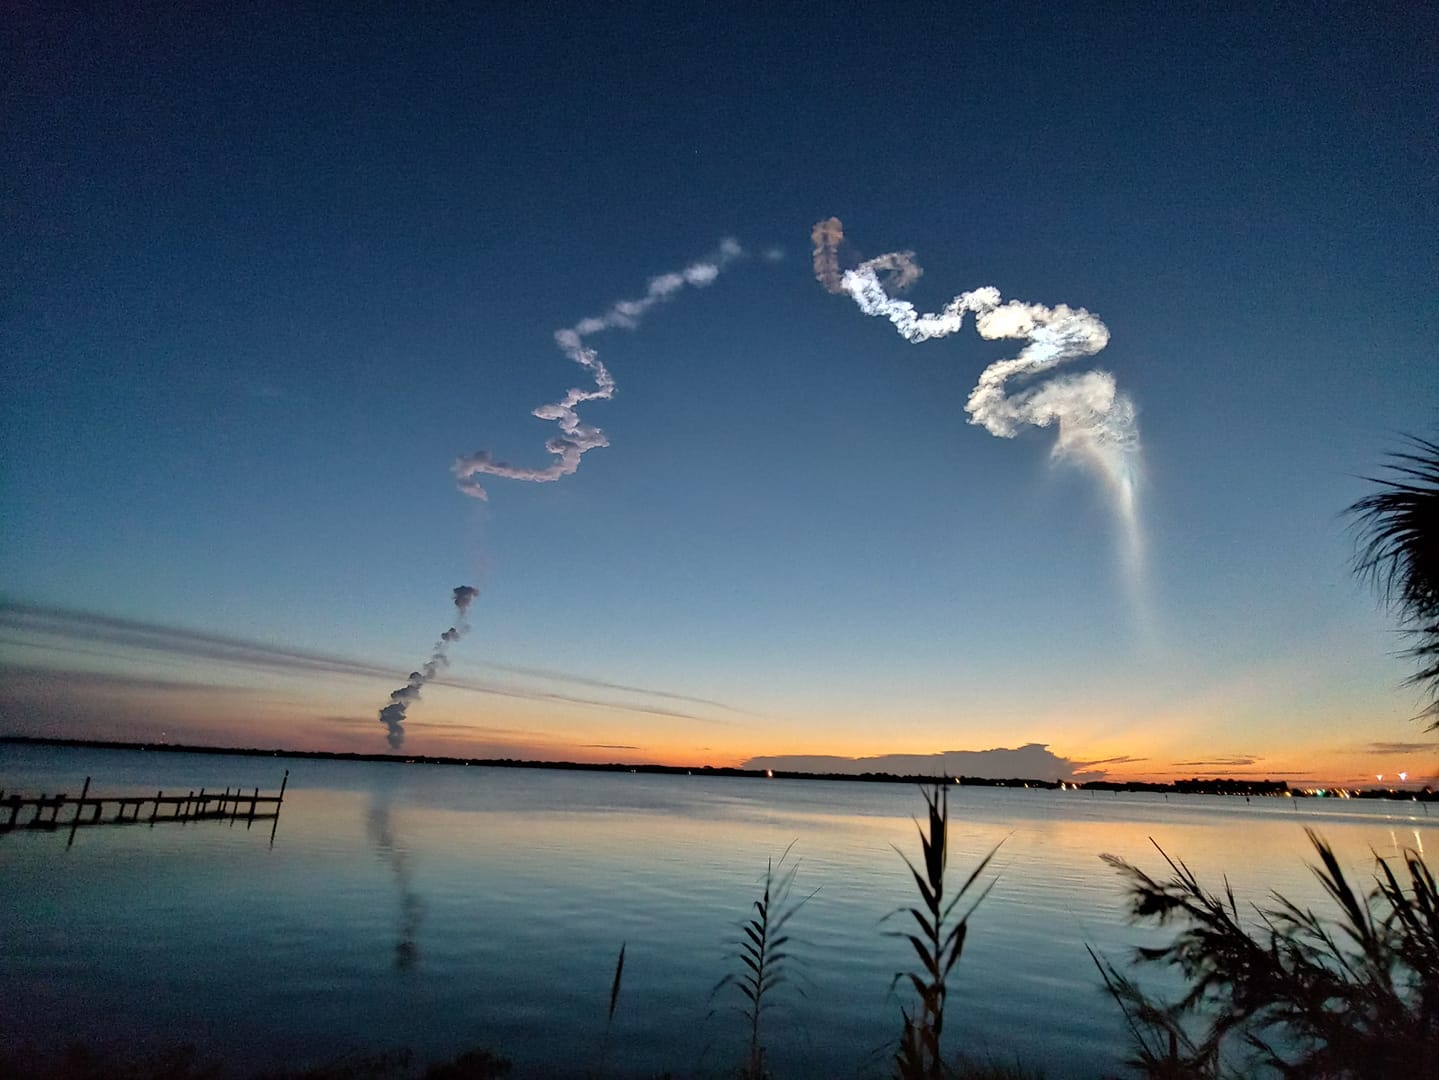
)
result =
(154, 810)
(79, 806)
(276, 824)
(253, 800)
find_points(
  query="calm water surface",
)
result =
(442, 908)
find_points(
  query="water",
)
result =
(442, 908)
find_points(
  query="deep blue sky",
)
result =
(269, 272)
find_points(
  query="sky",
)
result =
(270, 273)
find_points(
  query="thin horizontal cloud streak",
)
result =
(1238, 773)
(367, 724)
(1123, 759)
(51, 703)
(604, 684)
(179, 641)
(72, 626)
(1231, 761)
(360, 669)
(15, 675)
(1401, 748)
(442, 739)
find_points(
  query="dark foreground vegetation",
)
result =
(1280, 988)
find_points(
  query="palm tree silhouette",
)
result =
(1397, 551)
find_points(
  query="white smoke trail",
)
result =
(1096, 421)
(577, 438)
(393, 714)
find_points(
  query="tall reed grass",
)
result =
(763, 956)
(938, 944)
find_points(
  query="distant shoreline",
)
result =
(1195, 786)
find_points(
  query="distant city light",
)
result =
(1403, 776)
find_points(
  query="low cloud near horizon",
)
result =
(1033, 761)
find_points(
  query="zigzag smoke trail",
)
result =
(1096, 421)
(577, 438)
(393, 714)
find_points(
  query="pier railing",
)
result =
(232, 804)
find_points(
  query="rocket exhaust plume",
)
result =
(826, 237)
(1095, 420)
(898, 270)
(393, 714)
(576, 438)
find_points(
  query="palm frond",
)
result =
(1397, 551)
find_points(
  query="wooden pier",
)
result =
(237, 804)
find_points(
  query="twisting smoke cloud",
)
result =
(393, 714)
(1096, 421)
(897, 270)
(577, 438)
(826, 237)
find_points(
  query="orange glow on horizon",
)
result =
(1203, 740)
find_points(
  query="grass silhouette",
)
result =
(1353, 995)
(762, 954)
(938, 944)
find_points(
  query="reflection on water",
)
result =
(445, 908)
(412, 908)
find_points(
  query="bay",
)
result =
(441, 908)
